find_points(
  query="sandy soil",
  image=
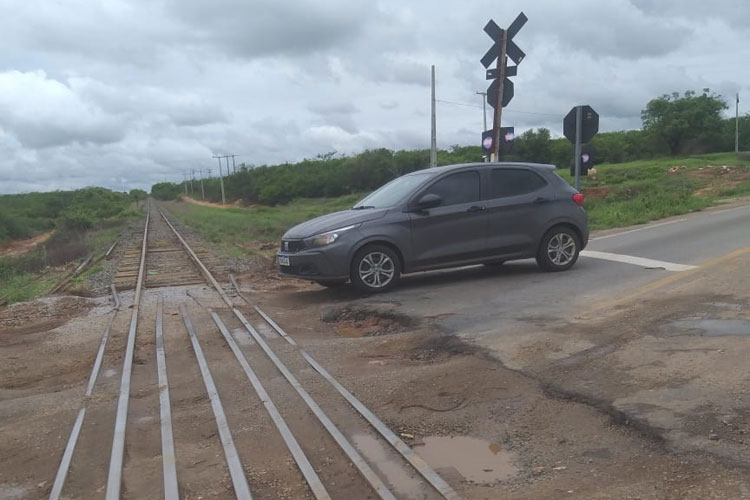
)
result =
(20, 247)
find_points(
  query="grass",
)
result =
(25, 286)
(237, 230)
(618, 195)
(637, 192)
(35, 273)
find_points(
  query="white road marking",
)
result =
(637, 261)
(727, 210)
(637, 229)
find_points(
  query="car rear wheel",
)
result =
(375, 269)
(559, 249)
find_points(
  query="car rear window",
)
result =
(513, 182)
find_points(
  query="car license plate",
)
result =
(283, 261)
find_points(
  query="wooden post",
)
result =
(499, 104)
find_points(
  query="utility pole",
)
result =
(184, 182)
(203, 193)
(484, 107)
(433, 137)
(234, 166)
(737, 124)
(221, 180)
(192, 177)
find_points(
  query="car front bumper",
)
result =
(325, 263)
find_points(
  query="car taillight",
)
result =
(578, 198)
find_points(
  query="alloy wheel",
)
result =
(376, 269)
(561, 249)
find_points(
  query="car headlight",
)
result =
(323, 239)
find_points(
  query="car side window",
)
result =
(513, 182)
(455, 189)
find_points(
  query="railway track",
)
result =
(190, 396)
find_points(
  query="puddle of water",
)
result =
(404, 485)
(716, 327)
(476, 460)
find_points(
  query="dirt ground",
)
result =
(546, 420)
(20, 247)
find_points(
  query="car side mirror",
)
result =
(429, 200)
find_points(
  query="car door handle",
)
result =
(475, 208)
(541, 199)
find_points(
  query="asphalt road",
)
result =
(478, 301)
(650, 325)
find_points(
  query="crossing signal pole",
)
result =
(501, 91)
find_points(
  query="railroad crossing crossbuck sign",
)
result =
(512, 51)
(501, 90)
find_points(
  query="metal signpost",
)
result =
(500, 92)
(579, 126)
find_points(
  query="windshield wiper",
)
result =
(363, 207)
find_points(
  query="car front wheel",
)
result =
(559, 249)
(375, 269)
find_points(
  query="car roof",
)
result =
(461, 166)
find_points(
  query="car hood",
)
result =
(333, 221)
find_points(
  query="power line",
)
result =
(560, 115)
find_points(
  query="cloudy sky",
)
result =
(125, 93)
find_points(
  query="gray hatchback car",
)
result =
(475, 213)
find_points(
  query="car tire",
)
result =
(559, 249)
(331, 283)
(375, 269)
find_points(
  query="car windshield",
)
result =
(393, 192)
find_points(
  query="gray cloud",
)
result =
(41, 112)
(264, 28)
(127, 93)
(732, 12)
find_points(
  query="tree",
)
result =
(534, 146)
(138, 195)
(690, 120)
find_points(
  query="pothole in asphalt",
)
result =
(715, 327)
(353, 321)
(476, 460)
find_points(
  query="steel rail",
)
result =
(169, 462)
(62, 471)
(114, 478)
(115, 296)
(351, 452)
(364, 468)
(236, 471)
(303, 463)
(206, 273)
(404, 449)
